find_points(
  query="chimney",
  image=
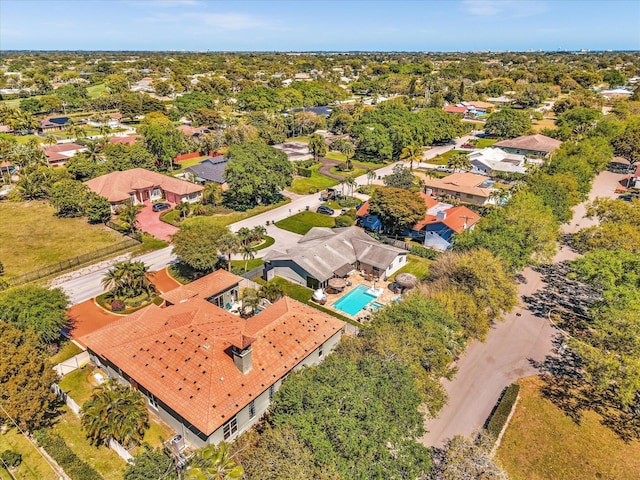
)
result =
(441, 215)
(242, 355)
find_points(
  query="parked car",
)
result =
(467, 145)
(158, 207)
(323, 209)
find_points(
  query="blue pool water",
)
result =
(355, 300)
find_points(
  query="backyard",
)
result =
(542, 442)
(33, 237)
(417, 266)
(302, 222)
(33, 467)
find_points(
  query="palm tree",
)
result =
(104, 132)
(115, 412)
(250, 301)
(50, 140)
(244, 236)
(348, 150)
(499, 196)
(228, 245)
(214, 463)
(127, 279)
(350, 183)
(212, 194)
(412, 153)
(317, 146)
(459, 161)
(248, 253)
(371, 176)
(127, 216)
(258, 233)
(183, 209)
(271, 292)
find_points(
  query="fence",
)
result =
(75, 408)
(251, 274)
(72, 262)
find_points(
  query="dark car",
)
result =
(158, 207)
(323, 209)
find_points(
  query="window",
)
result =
(271, 392)
(230, 428)
(320, 350)
(152, 401)
(252, 409)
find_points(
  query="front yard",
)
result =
(302, 222)
(315, 183)
(33, 237)
(542, 442)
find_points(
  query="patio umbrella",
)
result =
(337, 283)
(406, 280)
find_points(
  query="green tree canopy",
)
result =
(256, 174)
(161, 138)
(400, 177)
(40, 309)
(198, 245)
(26, 376)
(397, 208)
(151, 464)
(69, 198)
(508, 123)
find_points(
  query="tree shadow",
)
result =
(565, 385)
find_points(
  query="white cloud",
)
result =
(220, 21)
(507, 8)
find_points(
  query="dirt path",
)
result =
(486, 368)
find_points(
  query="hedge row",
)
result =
(73, 466)
(502, 411)
(423, 252)
(305, 172)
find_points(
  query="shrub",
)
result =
(305, 172)
(73, 466)
(11, 458)
(303, 163)
(424, 252)
(118, 306)
(502, 410)
(349, 202)
(344, 221)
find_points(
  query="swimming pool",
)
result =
(355, 300)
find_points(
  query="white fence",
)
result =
(75, 408)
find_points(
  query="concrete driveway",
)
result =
(486, 368)
(149, 222)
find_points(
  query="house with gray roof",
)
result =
(207, 171)
(325, 253)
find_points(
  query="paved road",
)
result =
(486, 368)
(86, 283)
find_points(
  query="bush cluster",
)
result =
(10, 458)
(55, 446)
(423, 252)
(502, 411)
(305, 172)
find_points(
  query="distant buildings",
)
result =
(466, 187)
(58, 155)
(530, 145)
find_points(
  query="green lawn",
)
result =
(539, 125)
(542, 442)
(96, 90)
(238, 265)
(188, 163)
(67, 350)
(103, 459)
(76, 384)
(267, 241)
(443, 158)
(418, 266)
(149, 244)
(33, 466)
(303, 139)
(336, 156)
(33, 237)
(485, 142)
(356, 172)
(24, 139)
(302, 222)
(315, 183)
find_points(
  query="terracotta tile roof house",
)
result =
(455, 109)
(467, 187)
(537, 145)
(441, 224)
(57, 155)
(142, 185)
(128, 140)
(324, 253)
(207, 373)
(486, 106)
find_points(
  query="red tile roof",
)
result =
(117, 186)
(181, 353)
(364, 209)
(63, 147)
(457, 219)
(216, 282)
(534, 143)
(454, 109)
(129, 140)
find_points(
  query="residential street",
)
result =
(486, 368)
(85, 283)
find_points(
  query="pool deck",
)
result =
(357, 279)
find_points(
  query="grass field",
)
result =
(188, 163)
(444, 158)
(539, 125)
(76, 384)
(485, 142)
(303, 139)
(96, 90)
(336, 156)
(238, 265)
(316, 182)
(418, 266)
(33, 467)
(223, 220)
(302, 222)
(543, 443)
(355, 172)
(33, 237)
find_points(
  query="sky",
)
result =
(308, 25)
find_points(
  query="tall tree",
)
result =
(397, 208)
(161, 138)
(198, 244)
(214, 463)
(508, 123)
(412, 153)
(26, 376)
(151, 464)
(317, 146)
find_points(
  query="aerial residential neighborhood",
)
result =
(311, 240)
